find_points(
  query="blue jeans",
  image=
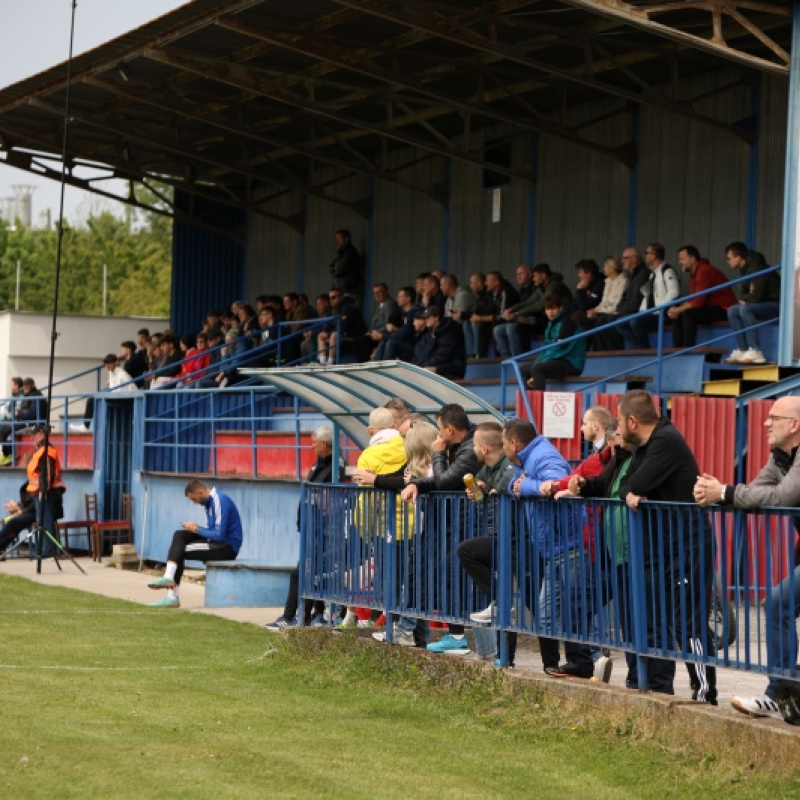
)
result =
(566, 603)
(48, 523)
(782, 610)
(635, 331)
(506, 339)
(743, 315)
(470, 338)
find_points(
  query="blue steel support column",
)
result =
(503, 569)
(370, 244)
(301, 256)
(301, 613)
(791, 222)
(530, 233)
(751, 231)
(389, 555)
(638, 597)
(633, 189)
(446, 220)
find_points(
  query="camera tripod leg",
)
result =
(58, 546)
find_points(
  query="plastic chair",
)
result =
(120, 529)
(63, 527)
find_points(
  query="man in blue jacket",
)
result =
(220, 540)
(565, 595)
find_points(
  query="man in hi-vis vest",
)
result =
(45, 485)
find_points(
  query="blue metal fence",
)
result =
(670, 582)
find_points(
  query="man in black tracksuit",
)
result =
(453, 457)
(677, 544)
(321, 472)
(447, 355)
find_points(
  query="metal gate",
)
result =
(117, 465)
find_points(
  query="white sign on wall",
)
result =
(558, 415)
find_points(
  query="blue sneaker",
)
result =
(166, 602)
(499, 663)
(281, 624)
(449, 644)
(318, 621)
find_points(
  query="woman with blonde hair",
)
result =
(606, 309)
(418, 445)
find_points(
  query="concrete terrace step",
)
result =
(683, 372)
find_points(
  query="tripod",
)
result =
(36, 533)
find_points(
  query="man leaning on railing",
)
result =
(679, 565)
(778, 484)
(565, 588)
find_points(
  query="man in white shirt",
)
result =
(663, 286)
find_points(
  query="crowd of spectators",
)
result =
(580, 551)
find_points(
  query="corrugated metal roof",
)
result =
(231, 100)
(346, 394)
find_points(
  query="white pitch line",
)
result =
(154, 612)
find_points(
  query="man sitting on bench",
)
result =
(220, 541)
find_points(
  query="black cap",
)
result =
(395, 318)
(433, 311)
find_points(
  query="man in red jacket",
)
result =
(598, 429)
(708, 308)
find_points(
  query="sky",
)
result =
(36, 37)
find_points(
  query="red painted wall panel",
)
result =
(709, 426)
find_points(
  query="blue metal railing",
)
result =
(671, 581)
(515, 361)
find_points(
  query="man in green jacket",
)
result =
(559, 360)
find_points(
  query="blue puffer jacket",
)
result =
(541, 462)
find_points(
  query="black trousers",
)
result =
(310, 607)
(684, 328)
(605, 340)
(186, 544)
(540, 371)
(687, 590)
(14, 527)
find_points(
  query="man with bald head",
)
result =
(778, 484)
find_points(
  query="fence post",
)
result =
(301, 561)
(638, 594)
(389, 567)
(505, 511)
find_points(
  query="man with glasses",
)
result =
(778, 484)
(631, 298)
(662, 285)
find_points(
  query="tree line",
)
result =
(138, 257)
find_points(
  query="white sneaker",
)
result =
(484, 617)
(753, 356)
(399, 636)
(489, 615)
(602, 668)
(735, 357)
(760, 706)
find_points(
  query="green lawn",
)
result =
(103, 698)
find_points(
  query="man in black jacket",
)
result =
(453, 457)
(447, 355)
(678, 556)
(321, 472)
(346, 267)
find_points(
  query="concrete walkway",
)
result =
(132, 585)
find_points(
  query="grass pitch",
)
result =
(107, 699)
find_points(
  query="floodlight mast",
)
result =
(45, 479)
